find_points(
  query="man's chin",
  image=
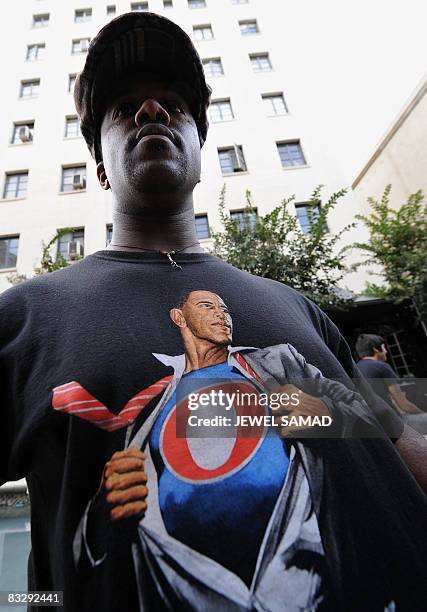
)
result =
(222, 341)
(157, 176)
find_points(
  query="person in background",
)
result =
(372, 352)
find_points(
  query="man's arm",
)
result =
(118, 505)
(412, 447)
(403, 405)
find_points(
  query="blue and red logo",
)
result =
(200, 459)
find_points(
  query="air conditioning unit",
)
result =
(75, 249)
(84, 44)
(25, 134)
(79, 182)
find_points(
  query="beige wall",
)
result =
(400, 159)
(45, 209)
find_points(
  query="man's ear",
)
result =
(102, 176)
(177, 317)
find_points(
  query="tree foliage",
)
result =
(274, 246)
(47, 262)
(398, 243)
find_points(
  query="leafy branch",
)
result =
(274, 246)
(398, 244)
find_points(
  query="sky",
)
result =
(360, 62)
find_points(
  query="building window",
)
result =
(232, 160)
(23, 132)
(109, 234)
(260, 62)
(291, 153)
(307, 213)
(195, 4)
(248, 26)
(71, 82)
(81, 15)
(40, 21)
(203, 32)
(167, 4)
(35, 52)
(213, 67)
(29, 89)
(245, 219)
(275, 104)
(202, 227)
(73, 178)
(72, 127)
(71, 246)
(80, 45)
(111, 9)
(220, 110)
(139, 6)
(8, 251)
(15, 185)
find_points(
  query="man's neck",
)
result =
(201, 356)
(155, 228)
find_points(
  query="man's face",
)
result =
(149, 138)
(383, 353)
(207, 317)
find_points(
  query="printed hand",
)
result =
(123, 485)
(308, 405)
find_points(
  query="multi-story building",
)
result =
(256, 140)
(400, 159)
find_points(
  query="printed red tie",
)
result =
(241, 361)
(74, 399)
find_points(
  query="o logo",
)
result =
(187, 458)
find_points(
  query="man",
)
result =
(142, 102)
(373, 365)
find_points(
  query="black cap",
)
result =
(138, 42)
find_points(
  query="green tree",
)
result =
(47, 262)
(398, 243)
(274, 246)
